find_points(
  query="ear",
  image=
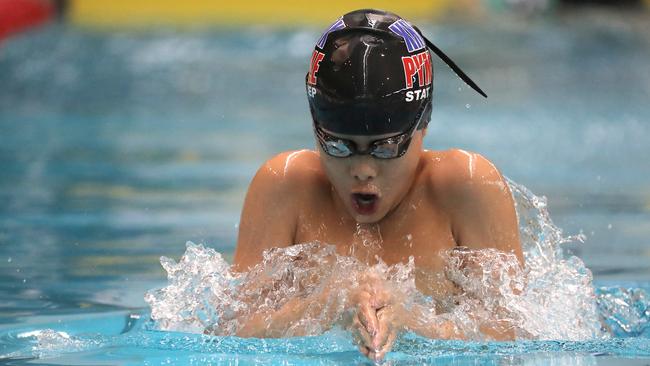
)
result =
(424, 132)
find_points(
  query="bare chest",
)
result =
(414, 229)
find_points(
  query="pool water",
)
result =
(117, 148)
(115, 337)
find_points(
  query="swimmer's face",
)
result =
(370, 188)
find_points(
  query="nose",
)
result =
(363, 169)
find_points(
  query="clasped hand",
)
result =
(378, 316)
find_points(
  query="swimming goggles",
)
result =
(387, 148)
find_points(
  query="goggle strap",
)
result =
(457, 70)
(451, 64)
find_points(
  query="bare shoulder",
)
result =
(281, 186)
(477, 199)
(460, 171)
(287, 180)
(290, 171)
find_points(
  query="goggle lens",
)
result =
(336, 148)
(385, 151)
(389, 148)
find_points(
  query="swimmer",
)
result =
(369, 180)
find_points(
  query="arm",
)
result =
(269, 214)
(482, 215)
(482, 209)
(269, 220)
(282, 322)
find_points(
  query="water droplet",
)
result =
(460, 89)
(24, 280)
(299, 269)
(609, 227)
(468, 106)
(9, 260)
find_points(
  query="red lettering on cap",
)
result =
(421, 71)
(427, 67)
(409, 70)
(314, 65)
(419, 64)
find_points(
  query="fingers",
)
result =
(380, 298)
(366, 313)
(364, 350)
(368, 318)
(375, 317)
(364, 324)
(375, 347)
(381, 353)
(383, 331)
(361, 334)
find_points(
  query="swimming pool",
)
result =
(117, 148)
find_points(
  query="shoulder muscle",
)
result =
(479, 201)
(270, 209)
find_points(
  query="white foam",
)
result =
(551, 298)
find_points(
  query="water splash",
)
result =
(50, 343)
(201, 279)
(626, 312)
(551, 298)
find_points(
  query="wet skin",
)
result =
(427, 202)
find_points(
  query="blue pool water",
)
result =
(117, 148)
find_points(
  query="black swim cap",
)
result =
(371, 73)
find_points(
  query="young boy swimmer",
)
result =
(370, 94)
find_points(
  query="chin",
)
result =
(368, 219)
(365, 220)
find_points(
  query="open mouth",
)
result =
(365, 203)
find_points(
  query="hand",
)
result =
(376, 322)
(389, 328)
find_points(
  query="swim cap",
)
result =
(371, 73)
